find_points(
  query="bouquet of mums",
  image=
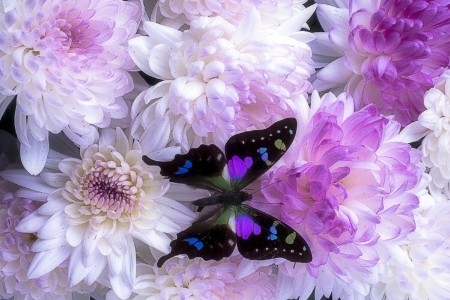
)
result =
(225, 149)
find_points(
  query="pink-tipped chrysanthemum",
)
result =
(346, 184)
(67, 65)
(219, 78)
(16, 256)
(175, 13)
(95, 206)
(183, 278)
(385, 52)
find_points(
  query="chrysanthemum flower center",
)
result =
(107, 188)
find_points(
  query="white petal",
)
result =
(156, 136)
(44, 262)
(335, 72)
(75, 234)
(77, 271)
(48, 244)
(139, 49)
(32, 223)
(411, 133)
(30, 194)
(23, 178)
(331, 16)
(34, 158)
(123, 282)
(246, 27)
(96, 269)
(158, 62)
(55, 226)
(298, 19)
(162, 34)
(55, 180)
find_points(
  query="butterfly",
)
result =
(258, 235)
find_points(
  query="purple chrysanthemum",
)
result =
(346, 184)
(68, 66)
(388, 52)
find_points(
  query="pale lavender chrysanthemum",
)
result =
(345, 185)
(95, 207)
(67, 64)
(184, 278)
(175, 13)
(385, 52)
(16, 256)
(219, 78)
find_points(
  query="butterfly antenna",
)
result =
(268, 186)
(265, 187)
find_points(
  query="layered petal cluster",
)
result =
(67, 64)
(436, 121)
(385, 52)
(16, 256)
(419, 269)
(346, 184)
(184, 278)
(177, 12)
(94, 208)
(219, 78)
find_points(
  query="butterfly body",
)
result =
(226, 198)
(257, 235)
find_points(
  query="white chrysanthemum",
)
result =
(419, 268)
(219, 78)
(436, 144)
(182, 278)
(67, 66)
(95, 206)
(175, 13)
(16, 256)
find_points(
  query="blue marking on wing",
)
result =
(194, 241)
(199, 245)
(273, 235)
(273, 229)
(262, 150)
(185, 168)
(191, 240)
(181, 171)
(265, 157)
(188, 164)
(291, 132)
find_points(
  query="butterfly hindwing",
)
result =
(252, 153)
(261, 236)
(201, 167)
(213, 238)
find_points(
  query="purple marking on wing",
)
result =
(245, 227)
(238, 167)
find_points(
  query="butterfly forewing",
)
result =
(213, 238)
(201, 167)
(252, 153)
(261, 236)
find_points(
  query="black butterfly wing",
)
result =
(201, 167)
(252, 153)
(261, 236)
(213, 238)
